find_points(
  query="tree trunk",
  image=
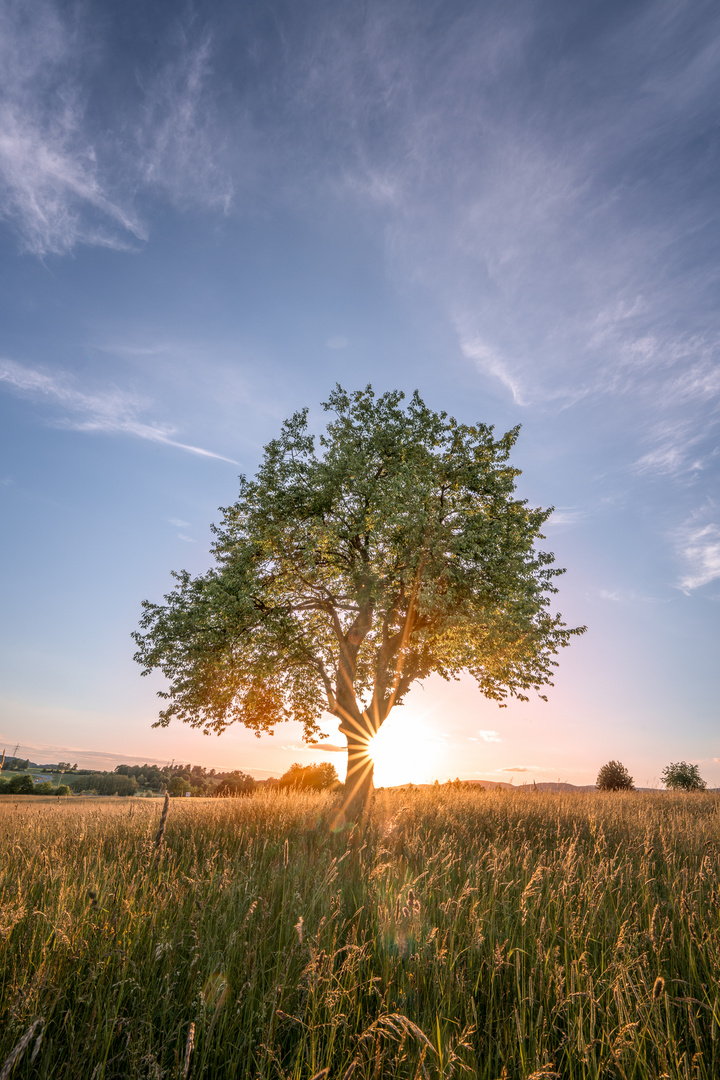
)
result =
(359, 780)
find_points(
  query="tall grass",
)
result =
(491, 934)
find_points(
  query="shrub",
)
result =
(62, 789)
(44, 787)
(17, 785)
(679, 776)
(614, 777)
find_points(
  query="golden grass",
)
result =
(464, 932)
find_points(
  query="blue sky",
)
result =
(210, 213)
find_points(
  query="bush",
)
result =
(44, 787)
(614, 777)
(18, 785)
(679, 776)
(62, 789)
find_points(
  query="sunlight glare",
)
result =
(406, 751)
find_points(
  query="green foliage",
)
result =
(16, 764)
(344, 576)
(178, 786)
(44, 787)
(83, 782)
(614, 777)
(311, 777)
(114, 784)
(62, 790)
(516, 935)
(679, 776)
(236, 784)
(17, 785)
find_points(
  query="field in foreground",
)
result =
(478, 933)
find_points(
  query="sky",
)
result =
(212, 212)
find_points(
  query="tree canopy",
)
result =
(346, 573)
(680, 776)
(614, 777)
(317, 777)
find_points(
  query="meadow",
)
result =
(486, 934)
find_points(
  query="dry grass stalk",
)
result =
(18, 1051)
(188, 1050)
(555, 993)
(163, 821)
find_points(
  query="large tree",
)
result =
(345, 574)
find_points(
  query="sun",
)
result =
(405, 751)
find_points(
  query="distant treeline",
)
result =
(182, 780)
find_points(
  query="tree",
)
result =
(345, 576)
(614, 777)
(178, 785)
(235, 784)
(17, 785)
(114, 784)
(679, 776)
(311, 777)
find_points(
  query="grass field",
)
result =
(464, 932)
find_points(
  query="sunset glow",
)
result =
(405, 751)
(212, 214)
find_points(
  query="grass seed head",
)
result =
(658, 987)
(17, 1052)
(188, 1050)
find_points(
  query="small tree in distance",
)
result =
(679, 776)
(235, 785)
(614, 777)
(312, 777)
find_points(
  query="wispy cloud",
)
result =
(65, 178)
(181, 142)
(491, 363)
(50, 181)
(111, 412)
(566, 515)
(698, 546)
(625, 596)
(490, 736)
(523, 768)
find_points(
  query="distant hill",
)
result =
(489, 785)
